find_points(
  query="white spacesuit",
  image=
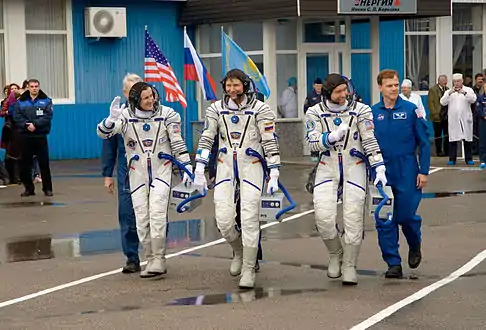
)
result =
(334, 127)
(246, 123)
(146, 134)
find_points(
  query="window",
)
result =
(46, 45)
(467, 40)
(328, 31)
(420, 52)
(286, 34)
(210, 36)
(287, 77)
(248, 35)
(2, 50)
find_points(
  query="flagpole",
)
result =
(184, 109)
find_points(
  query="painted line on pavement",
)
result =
(117, 271)
(421, 293)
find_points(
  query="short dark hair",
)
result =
(33, 81)
(478, 75)
(24, 84)
(386, 74)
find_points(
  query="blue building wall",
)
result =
(99, 67)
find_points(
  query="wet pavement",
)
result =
(48, 242)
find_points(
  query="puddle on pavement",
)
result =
(240, 296)
(30, 204)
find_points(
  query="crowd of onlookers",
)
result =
(27, 113)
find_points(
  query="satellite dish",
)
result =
(103, 21)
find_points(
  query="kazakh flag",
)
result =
(235, 58)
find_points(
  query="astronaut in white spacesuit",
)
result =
(242, 122)
(334, 127)
(148, 129)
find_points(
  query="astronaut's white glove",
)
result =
(272, 185)
(338, 134)
(380, 175)
(186, 178)
(115, 110)
(199, 178)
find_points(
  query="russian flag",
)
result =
(195, 70)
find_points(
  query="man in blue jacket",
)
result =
(114, 150)
(32, 116)
(401, 129)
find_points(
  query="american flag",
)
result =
(158, 69)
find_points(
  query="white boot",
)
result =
(247, 280)
(236, 263)
(156, 266)
(147, 250)
(335, 251)
(350, 260)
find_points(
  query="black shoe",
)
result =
(414, 257)
(48, 193)
(27, 193)
(131, 267)
(394, 272)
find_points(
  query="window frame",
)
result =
(12, 24)
(434, 34)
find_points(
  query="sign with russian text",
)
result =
(377, 7)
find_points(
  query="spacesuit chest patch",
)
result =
(162, 139)
(148, 143)
(235, 135)
(399, 115)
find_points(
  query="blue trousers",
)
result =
(407, 199)
(128, 227)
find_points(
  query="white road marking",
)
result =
(117, 271)
(420, 294)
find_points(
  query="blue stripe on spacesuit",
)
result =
(326, 181)
(133, 120)
(325, 115)
(341, 175)
(324, 140)
(356, 185)
(133, 191)
(162, 181)
(149, 169)
(159, 119)
(253, 185)
(224, 180)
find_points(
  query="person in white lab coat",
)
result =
(459, 99)
(288, 101)
(412, 97)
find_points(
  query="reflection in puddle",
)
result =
(239, 296)
(30, 204)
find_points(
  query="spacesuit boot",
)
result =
(247, 280)
(236, 263)
(335, 251)
(147, 248)
(350, 259)
(158, 266)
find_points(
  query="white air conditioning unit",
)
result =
(107, 22)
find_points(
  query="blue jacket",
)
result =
(312, 99)
(113, 151)
(37, 112)
(400, 131)
(481, 106)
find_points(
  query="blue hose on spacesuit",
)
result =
(180, 207)
(254, 153)
(386, 198)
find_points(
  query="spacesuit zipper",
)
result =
(149, 169)
(341, 184)
(236, 175)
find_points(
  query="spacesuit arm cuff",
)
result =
(202, 156)
(325, 140)
(377, 164)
